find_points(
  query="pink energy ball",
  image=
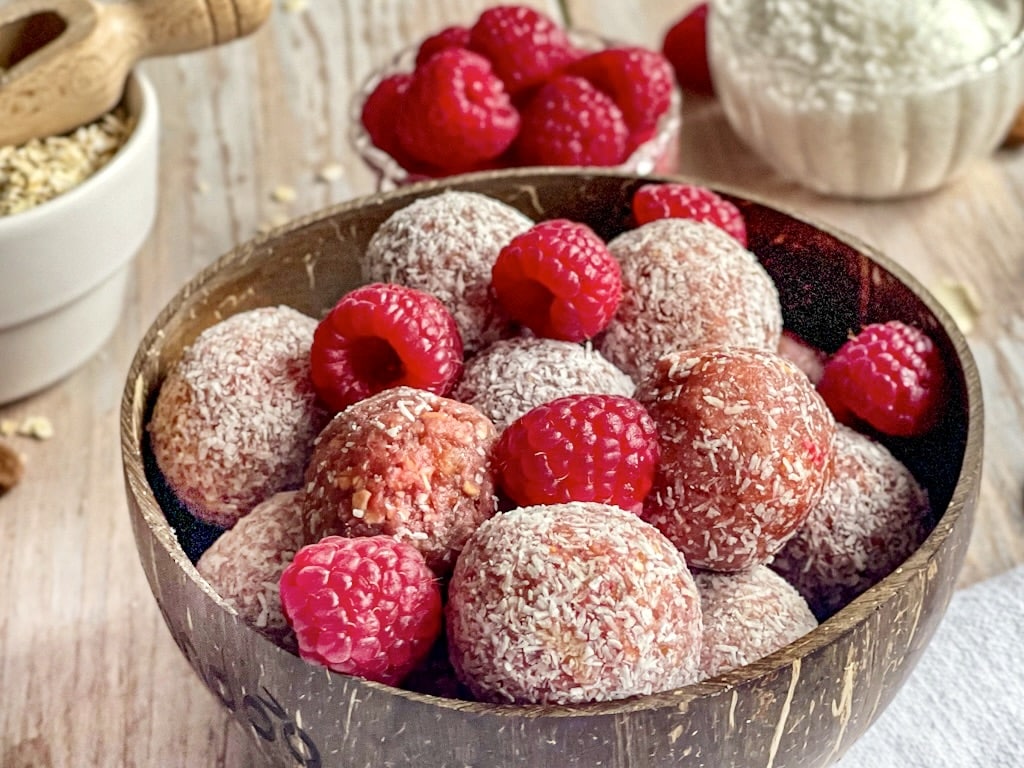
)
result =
(746, 449)
(748, 615)
(235, 420)
(445, 245)
(509, 377)
(570, 603)
(245, 563)
(687, 283)
(872, 516)
(405, 463)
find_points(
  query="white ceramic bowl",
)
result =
(64, 264)
(881, 126)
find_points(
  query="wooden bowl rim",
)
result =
(844, 621)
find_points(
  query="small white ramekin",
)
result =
(64, 264)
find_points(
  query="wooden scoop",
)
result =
(64, 62)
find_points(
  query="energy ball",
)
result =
(509, 377)
(747, 615)
(872, 516)
(405, 463)
(571, 603)
(746, 449)
(687, 283)
(236, 418)
(446, 245)
(244, 565)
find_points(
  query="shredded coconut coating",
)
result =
(405, 463)
(235, 420)
(686, 283)
(509, 377)
(746, 449)
(572, 603)
(807, 358)
(748, 615)
(244, 565)
(872, 516)
(446, 245)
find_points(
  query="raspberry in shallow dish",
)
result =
(747, 615)
(686, 283)
(245, 563)
(872, 516)
(446, 245)
(406, 463)
(746, 450)
(688, 201)
(367, 606)
(572, 603)
(511, 376)
(235, 420)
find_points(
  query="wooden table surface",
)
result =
(89, 675)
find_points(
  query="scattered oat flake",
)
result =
(331, 172)
(12, 468)
(284, 194)
(8, 427)
(961, 301)
(38, 427)
(294, 6)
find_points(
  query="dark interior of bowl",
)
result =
(829, 285)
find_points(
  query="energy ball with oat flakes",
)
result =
(244, 565)
(509, 377)
(747, 615)
(236, 418)
(571, 603)
(405, 463)
(687, 283)
(746, 450)
(872, 516)
(446, 245)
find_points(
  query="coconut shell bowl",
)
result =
(799, 707)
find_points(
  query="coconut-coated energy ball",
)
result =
(245, 563)
(571, 603)
(509, 377)
(687, 283)
(405, 463)
(445, 245)
(872, 516)
(235, 419)
(746, 449)
(747, 615)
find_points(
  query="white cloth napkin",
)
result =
(963, 705)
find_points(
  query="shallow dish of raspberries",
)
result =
(512, 88)
(553, 467)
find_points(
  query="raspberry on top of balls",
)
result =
(559, 280)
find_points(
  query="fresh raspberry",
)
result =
(366, 606)
(685, 46)
(559, 279)
(524, 46)
(384, 335)
(638, 80)
(688, 201)
(890, 375)
(380, 108)
(579, 448)
(455, 36)
(569, 121)
(458, 113)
